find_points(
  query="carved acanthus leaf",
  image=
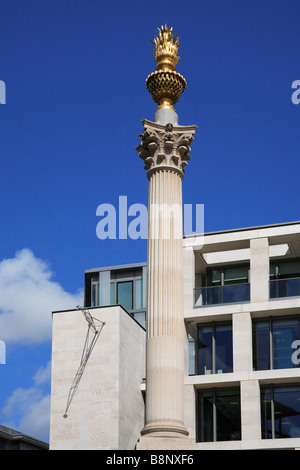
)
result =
(165, 147)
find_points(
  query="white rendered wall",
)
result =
(107, 411)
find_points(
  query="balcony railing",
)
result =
(280, 288)
(215, 295)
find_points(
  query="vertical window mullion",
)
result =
(272, 412)
(298, 327)
(213, 348)
(115, 292)
(271, 342)
(133, 293)
(222, 285)
(196, 355)
(214, 416)
(202, 420)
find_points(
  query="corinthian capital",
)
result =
(165, 147)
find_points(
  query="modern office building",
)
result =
(10, 439)
(242, 332)
(241, 313)
(123, 285)
(197, 348)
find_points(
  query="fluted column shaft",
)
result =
(165, 348)
(165, 152)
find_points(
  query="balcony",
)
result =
(281, 288)
(226, 294)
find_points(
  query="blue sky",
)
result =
(75, 75)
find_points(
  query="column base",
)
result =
(163, 442)
(165, 436)
(164, 429)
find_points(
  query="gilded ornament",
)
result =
(165, 84)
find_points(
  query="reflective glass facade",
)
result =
(218, 415)
(224, 285)
(280, 411)
(273, 340)
(284, 279)
(214, 348)
(123, 286)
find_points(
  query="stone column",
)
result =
(259, 269)
(165, 151)
(250, 410)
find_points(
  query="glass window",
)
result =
(112, 293)
(224, 285)
(205, 418)
(229, 275)
(192, 355)
(138, 294)
(285, 269)
(285, 279)
(266, 418)
(214, 277)
(261, 345)
(219, 415)
(289, 268)
(280, 412)
(284, 332)
(223, 349)
(126, 287)
(205, 359)
(272, 343)
(124, 294)
(236, 274)
(228, 411)
(272, 270)
(95, 294)
(215, 354)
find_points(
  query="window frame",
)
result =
(132, 279)
(270, 321)
(214, 326)
(95, 297)
(223, 282)
(200, 416)
(271, 388)
(276, 265)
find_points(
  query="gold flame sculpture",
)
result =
(165, 84)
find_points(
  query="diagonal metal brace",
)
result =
(95, 326)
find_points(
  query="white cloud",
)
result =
(28, 296)
(28, 410)
(43, 375)
(36, 419)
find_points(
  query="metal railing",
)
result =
(227, 294)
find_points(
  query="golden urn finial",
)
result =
(165, 84)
